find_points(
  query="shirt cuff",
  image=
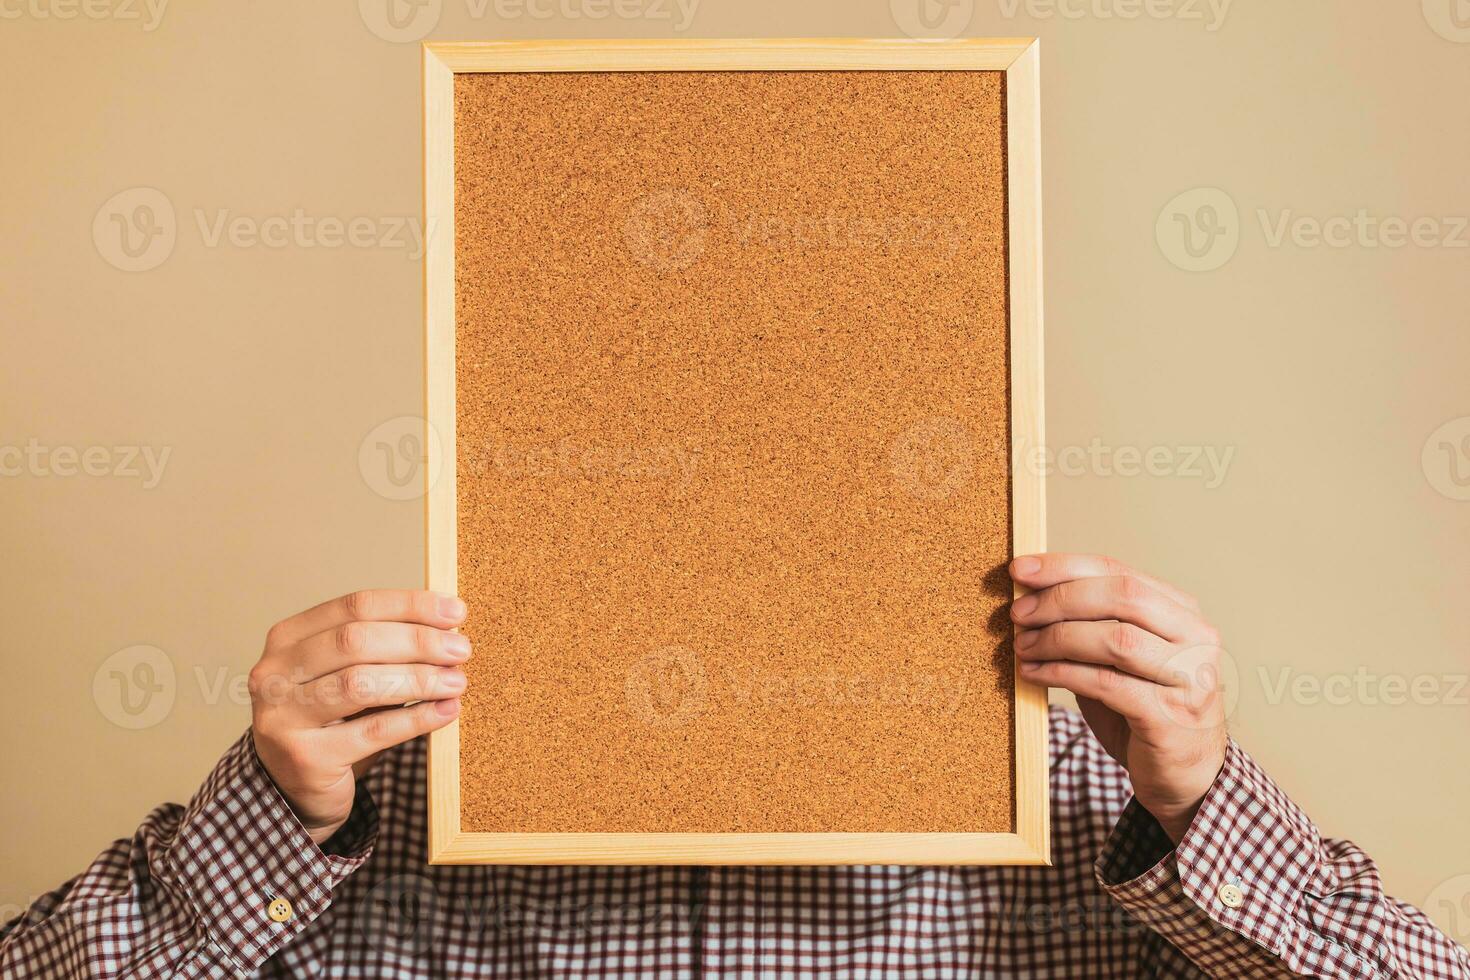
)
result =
(241, 849)
(1228, 895)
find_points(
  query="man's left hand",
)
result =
(1144, 665)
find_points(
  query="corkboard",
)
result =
(733, 430)
(727, 390)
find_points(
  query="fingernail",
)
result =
(451, 607)
(457, 645)
(1027, 639)
(1031, 668)
(451, 680)
(448, 708)
(1024, 606)
(1026, 566)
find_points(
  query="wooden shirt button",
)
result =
(279, 910)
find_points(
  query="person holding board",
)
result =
(302, 854)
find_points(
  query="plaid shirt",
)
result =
(1251, 891)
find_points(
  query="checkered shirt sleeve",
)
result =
(1253, 890)
(187, 895)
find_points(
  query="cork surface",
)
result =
(733, 442)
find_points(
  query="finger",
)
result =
(354, 689)
(1043, 570)
(1128, 600)
(375, 643)
(372, 605)
(1110, 644)
(1129, 696)
(362, 738)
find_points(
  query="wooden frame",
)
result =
(1029, 844)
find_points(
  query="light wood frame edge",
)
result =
(440, 551)
(1028, 419)
(1029, 844)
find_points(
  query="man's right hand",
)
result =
(328, 694)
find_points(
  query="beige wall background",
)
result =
(1306, 397)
